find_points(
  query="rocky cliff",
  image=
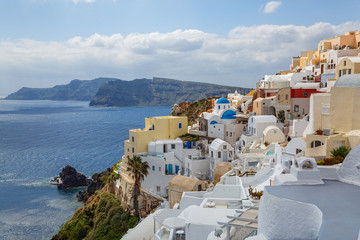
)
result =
(156, 92)
(77, 90)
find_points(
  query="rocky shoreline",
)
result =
(69, 178)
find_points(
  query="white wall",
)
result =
(281, 218)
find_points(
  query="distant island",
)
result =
(112, 92)
(77, 90)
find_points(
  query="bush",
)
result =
(342, 151)
(255, 194)
(331, 161)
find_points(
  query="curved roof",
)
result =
(348, 80)
(269, 128)
(229, 114)
(213, 122)
(222, 100)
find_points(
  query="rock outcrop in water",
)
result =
(69, 178)
(98, 181)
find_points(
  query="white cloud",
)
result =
(85, 1)
(271, 6)
(239, 59)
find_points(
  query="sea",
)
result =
(38, 139)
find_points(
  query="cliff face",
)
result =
(78, 90)
(102, 217)
(156, 92)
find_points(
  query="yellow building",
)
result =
(156, 128)
(340, 117)
(306, 57)
(347, 65)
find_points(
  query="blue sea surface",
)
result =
(38, 139)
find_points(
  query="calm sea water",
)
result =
(37, 139)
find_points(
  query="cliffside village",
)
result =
(253, 165)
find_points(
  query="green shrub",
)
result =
(342, 151)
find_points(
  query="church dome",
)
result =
(348, 80)
(229, 114)
(222, 100)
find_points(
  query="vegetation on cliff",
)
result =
(101, 218)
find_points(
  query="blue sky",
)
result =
(49, 42)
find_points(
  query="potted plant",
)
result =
(319, 132)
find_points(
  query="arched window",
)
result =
(307, 165)
(316, 143)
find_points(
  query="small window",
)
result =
(230, 134)
(274, 131)
(344, 63)
(153, 168)
(296, 108)
(304, 78)
(158, 188)
(279, 97)
(344, 71)
(132, 138)
(305, 94)
(339, 73)
(219, 154)
(349, 71)
(172, 146)
(219, 107)
(227, 133)
(286, 97)
(199, 187)
(212, 154)
(224, 147)
(133, 150)
(180, 125)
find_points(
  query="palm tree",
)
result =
(138, 170)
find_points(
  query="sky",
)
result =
(44, 43)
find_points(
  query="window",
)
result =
(344, 71)
(305, 94)
(219, 154)
(199, 187)
(159, 169)
(339, 73)
(180, 125)
(219, 107)
(158, 188)
(358, 44)
(304, 78)
(286, 97)
(172, 146)
(212, 154)
(133, 150)
(227, 133)
(224, 147)
(274, 131)
(344, 63)
(316, 143)
(230, 134)
(349, 71)
(132, 138)
(153, 168)
(296, 108)
(279, 97)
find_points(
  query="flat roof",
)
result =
(338, 201)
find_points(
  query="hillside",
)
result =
(78, 90)
(157, 91)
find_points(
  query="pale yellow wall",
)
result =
(355, 67)
(281, 96)
(257, 106)
(166, 127)
(345, 108)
